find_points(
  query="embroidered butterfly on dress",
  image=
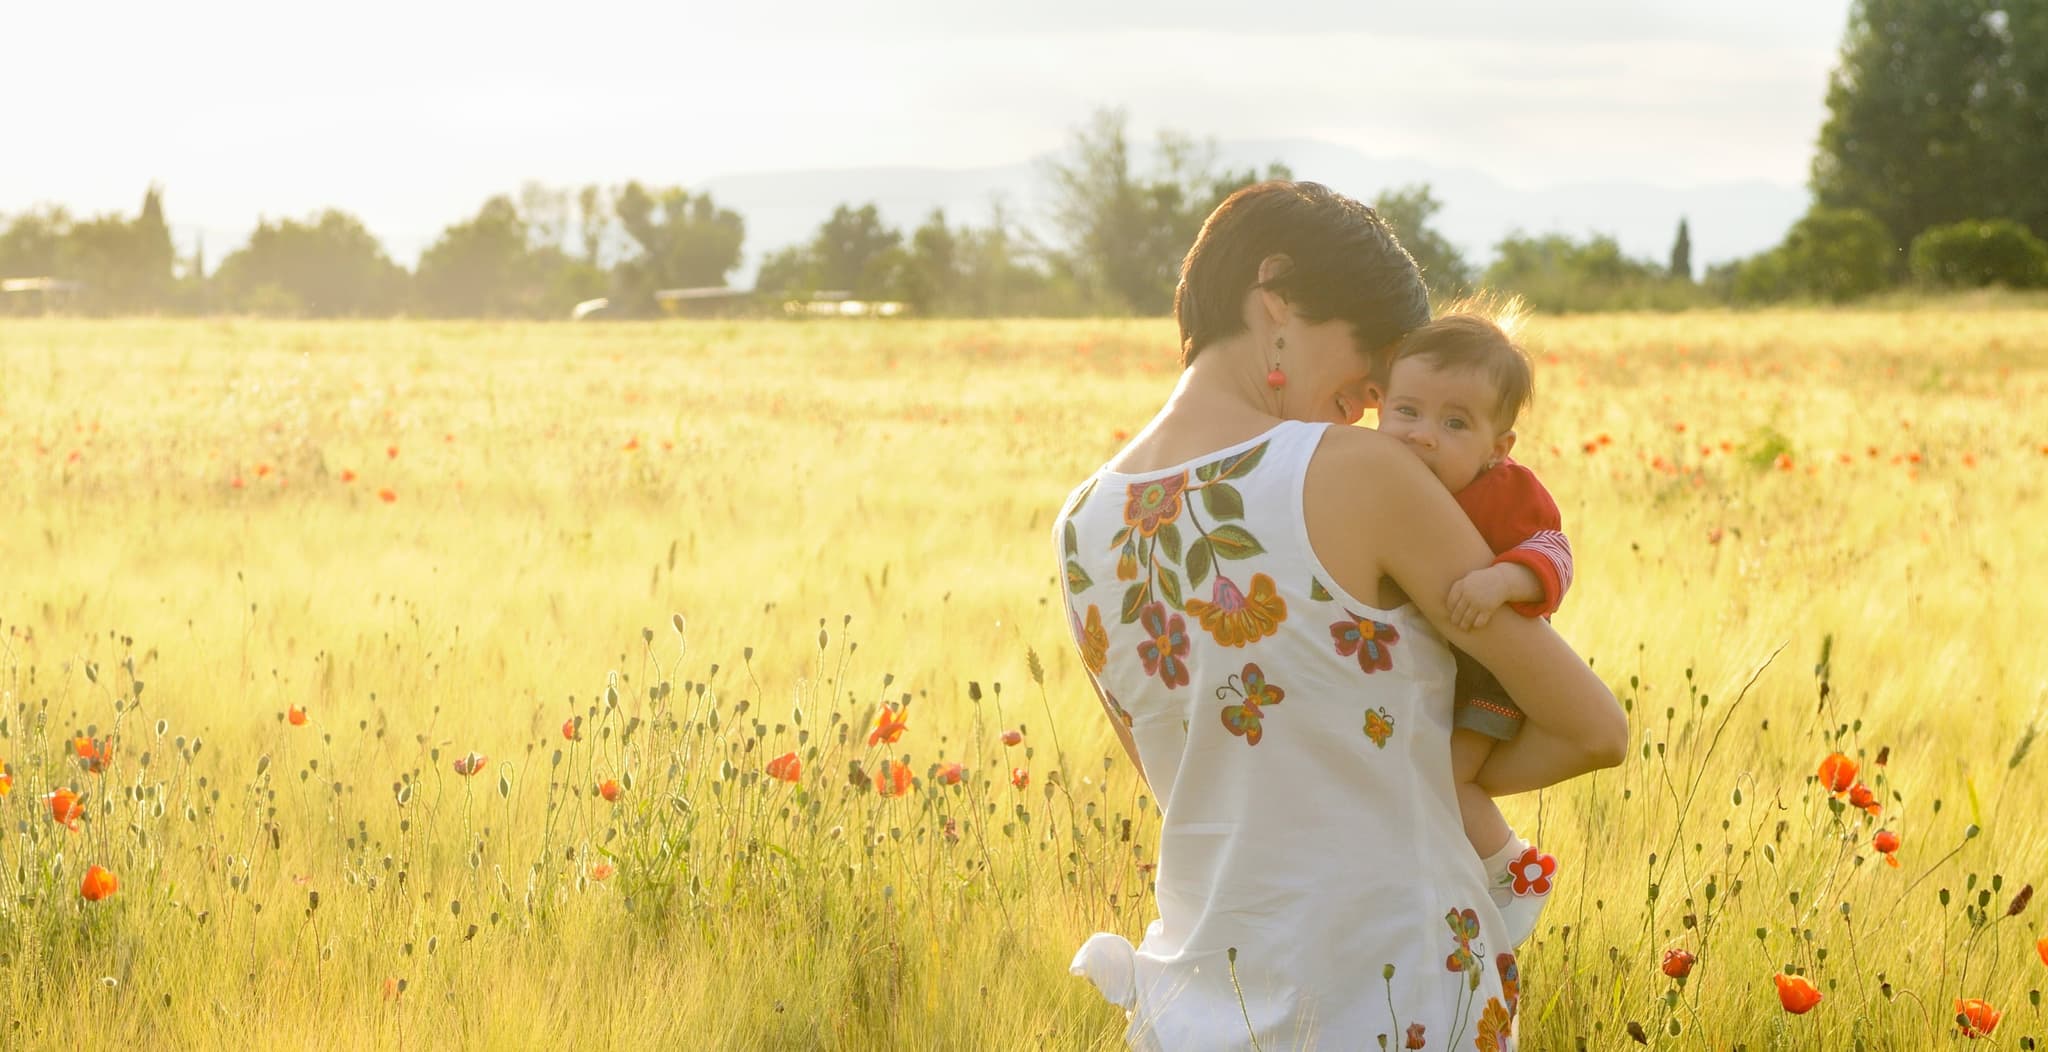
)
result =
(1464, 928)
(1244, 720)
(1379, 725)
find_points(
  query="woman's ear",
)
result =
(1273, 302)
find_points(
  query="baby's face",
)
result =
(1446, 417)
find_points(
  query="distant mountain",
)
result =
(1728, 220)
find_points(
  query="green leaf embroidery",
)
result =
(1208, 471)
(1317, 592)
(1134, 600)
(1235, 466)
(1169, 586)
(1120, 537)
(1223, 501)
(1169, 539)
(1078, 580)
(1072, 539)
(1199, 557)
(1234, 542)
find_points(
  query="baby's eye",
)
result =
(1406, 410)
(1456, 423)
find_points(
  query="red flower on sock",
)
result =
(1532, 872)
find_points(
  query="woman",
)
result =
(1259, 598)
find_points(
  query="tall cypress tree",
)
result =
(1681, 252)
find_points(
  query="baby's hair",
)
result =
(1478, 334)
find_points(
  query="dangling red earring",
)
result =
(1277, 379)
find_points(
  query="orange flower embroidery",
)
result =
(1495, 1027)
(1153, 504)
(1236, 619)
(1094, 642)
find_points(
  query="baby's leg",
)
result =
(1485, 827)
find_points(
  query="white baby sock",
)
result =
(1498, 879)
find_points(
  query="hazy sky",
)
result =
(411, 113)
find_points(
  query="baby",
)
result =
(1456, 386)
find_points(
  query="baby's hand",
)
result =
(1476, 596)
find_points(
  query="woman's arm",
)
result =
(1373, 510)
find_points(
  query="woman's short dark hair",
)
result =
(1347, 264)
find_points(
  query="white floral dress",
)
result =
(1298, 741)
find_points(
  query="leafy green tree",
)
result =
(32, 243)
(1973, 254)
(1837, 254)
(1937, 112)
(855, 253)
(481, 267)
(1681, 252)
(1559, 273)
(330, 265)
(1410, 209)
(1126, 234)
(930, 275)
(684, 241)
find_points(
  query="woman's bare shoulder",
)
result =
(1353, 463)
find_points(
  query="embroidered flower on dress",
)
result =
(1510, 981)
(1154, 504)
(1236, 619)
(1496, 1026)
(1367, 638)
(1165, 646)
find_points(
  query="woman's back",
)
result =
(1298, 742)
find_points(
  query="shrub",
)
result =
(1975, 253)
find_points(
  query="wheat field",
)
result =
(267, 589)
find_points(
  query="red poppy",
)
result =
(571, 731)
(602, 871)
(1678, 963)
(470, 764)
(786, 767)
(93, 752)
(951, 773)
(1784, 462)
(1796, 994)
(2041, 947)
(6, 780)
(889, 726)
(1012, 737)
(65, 807)
(1860, 796)
(1020, 777)
(892, 778)
(632, 444)
(388, 496)
(1977, 1017)
(609, 789)
(99, 883)
(347, 475)
(1887, 844)
(262, 470)
(1415, 1039)
(391, 452)
(295, 716)
(1837, 773)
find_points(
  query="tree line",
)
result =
(1927, 173)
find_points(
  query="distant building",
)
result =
(37, 295)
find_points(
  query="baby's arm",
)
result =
(1478, 594)
(1533, 574)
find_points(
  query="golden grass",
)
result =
(851, 513)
